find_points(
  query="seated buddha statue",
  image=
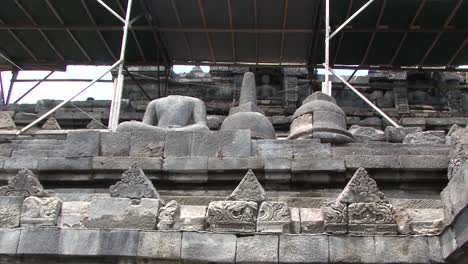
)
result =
(171, 113)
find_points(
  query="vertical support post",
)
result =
(10, 89)
(326, 85)
(116, 100)
(1, 89)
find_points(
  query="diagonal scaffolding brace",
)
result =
(117, 97)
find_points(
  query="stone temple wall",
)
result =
(72, 197)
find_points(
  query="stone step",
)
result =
(41, 146)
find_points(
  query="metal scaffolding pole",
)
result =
(51, 111)
(382, 113)
(2, 95)
(10, 89)
(34, 87)
(116, 101)
(326, 85)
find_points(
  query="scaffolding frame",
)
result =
(118, 88)
(327, 84)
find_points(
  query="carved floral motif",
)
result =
(25, 184)
(167, 215)
(371, 213)
(232, 215)
(361, 189)
(134, 184)
(40, 211)
(274, 212)
(249, 189)
(335, 212)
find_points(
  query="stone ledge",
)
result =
(218, 247)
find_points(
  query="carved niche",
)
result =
(237, 216)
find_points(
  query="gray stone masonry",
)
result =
(221, 248)
(106, 212)
(40, 211)
(257, 249)
(178, 144)
(10, 211)
(82, 144)
(115, 144)
(147, 144)
(207, 247)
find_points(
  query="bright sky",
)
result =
(65, 90)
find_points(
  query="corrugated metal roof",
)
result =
(389, 33)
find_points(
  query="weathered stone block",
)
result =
(329, 164)
(235, 163)
(115, 144)
(107, 212)
(160, 245)
(19, 163)
(6, 122)
(178, 144)
(372, 161)
(311, 149)
(10, 211)
(72, 164)
(123, 163)
(401, 249)
(235, 143)
(82, 144)
(271, 148)
(40, 211)
(311, 220)
(303, 249)
(424, 162)
(73, 214)
(460, 227)
(118, 242)
(398, 134)
(39, 241)
(9, 239)
(366, 134)
(277, 164)
(192, 217)
(147, 144)
(208, 247)
(273, 217)
(205, 144)
(426, 137)
(349, 249)
(295, 221)
(79, 242)
(447, 242)
(181, 164)
(257, 249)
(435, 251)
(235, 216)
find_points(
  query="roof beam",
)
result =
(103, 40)
(285, 18)
(235, 30)
(135, 37)
(72, 36)
(33, 21)
(231, 26)
(439, 35)
(179, 22)
(371, 41)
(422, 3)
(21, 43)
(340, 40)
(156, 36)
(208, 36)
(457, 52)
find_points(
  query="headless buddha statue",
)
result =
(172, 113)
